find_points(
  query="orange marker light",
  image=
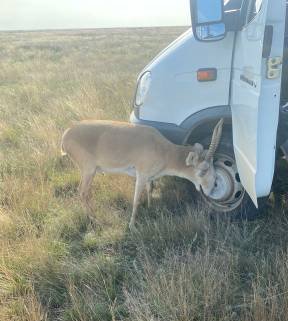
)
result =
(208, 74)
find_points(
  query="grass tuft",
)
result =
(181, 264)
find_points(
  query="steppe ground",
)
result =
(55, 264)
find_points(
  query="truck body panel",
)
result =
(256, 98)
(175, 93)
(247, 88)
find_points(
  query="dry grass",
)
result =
(55, 264)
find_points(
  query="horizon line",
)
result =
(91, 28)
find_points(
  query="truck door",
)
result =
(255, 93)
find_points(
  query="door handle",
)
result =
(274, 67)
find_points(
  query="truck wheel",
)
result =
(229, 196)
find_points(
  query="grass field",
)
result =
(55, 264)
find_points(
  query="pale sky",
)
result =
(66, 14)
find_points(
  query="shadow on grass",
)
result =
(178, 265)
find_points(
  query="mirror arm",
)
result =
(232, 20)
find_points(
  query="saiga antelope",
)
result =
(139, 151)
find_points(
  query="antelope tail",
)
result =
(63, 152)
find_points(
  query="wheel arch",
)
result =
(200, 126)
(204, 121)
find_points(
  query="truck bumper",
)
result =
(172, 132)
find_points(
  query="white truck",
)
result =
(229, 65)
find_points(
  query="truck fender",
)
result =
(197, 124)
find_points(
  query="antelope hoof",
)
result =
(132, 227)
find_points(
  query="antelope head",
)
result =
(202, 162)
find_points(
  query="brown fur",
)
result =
(141, 151)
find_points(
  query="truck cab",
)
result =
(228, 65)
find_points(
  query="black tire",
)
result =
(239, 205)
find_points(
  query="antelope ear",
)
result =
(192, 158)
(203, 168)
(199, 148)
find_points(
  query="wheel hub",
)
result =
(224, 185)
(228, 192)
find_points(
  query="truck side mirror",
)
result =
(207, 19)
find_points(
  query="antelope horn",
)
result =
(215, 140)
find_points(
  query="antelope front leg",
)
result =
(149, 189)
(139, 187)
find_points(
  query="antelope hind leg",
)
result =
(149, 189)
(139, 187)
(84, 191)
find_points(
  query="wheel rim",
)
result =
(228, 193)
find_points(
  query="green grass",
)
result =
(56, 264)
